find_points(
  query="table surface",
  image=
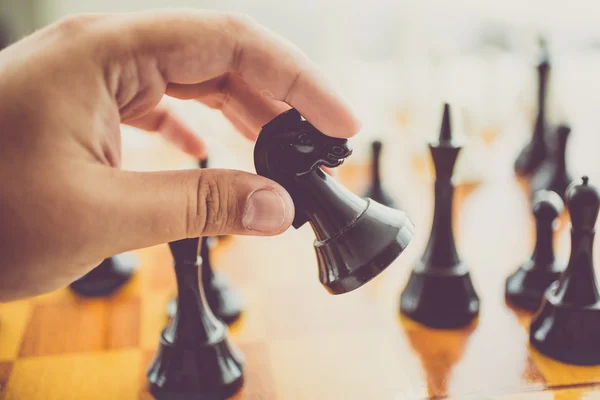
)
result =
(301, 342)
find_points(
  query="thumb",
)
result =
(151, 208)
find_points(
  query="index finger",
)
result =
(189, 47)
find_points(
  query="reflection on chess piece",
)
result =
(536, 150)
(526, 287)
(225, 303)
(356, 239)
(553, 173)
(195, 358)
(439, 293)
(107, 277)
(567, 326)
(376, 190)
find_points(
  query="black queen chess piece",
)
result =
(536, 150)
(376, 191)
(225, 302)
(356, 238)
(110, 275)
(195, 358)
(525, 288)
(567, 325)
(439, 292)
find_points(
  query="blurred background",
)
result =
(396, 62)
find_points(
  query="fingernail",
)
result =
(265, 212)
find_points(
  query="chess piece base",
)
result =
(367, 247)
(225, 303)
(526, 287)
(567, 334)
(212, 371)
(441, 298)
(107, 277)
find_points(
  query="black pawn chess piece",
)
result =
(195, 358)
(356, 239)
(225, 303)
(567, 326)
(535, 151)
(526, 287)
(439, 292)
(106, 278)
(376, 190)
(553, 173)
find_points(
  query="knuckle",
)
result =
(73, 24)
(211, 213)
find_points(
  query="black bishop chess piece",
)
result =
(526, 287)
(224, 301)
(195, 359)
(376, 191)
(108, 277)
(532, 155)
(553, 173)
(567, 325)
(439, 292)
(356, 238)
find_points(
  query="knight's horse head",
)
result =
(291, 145)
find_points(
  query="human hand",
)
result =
(64, 203)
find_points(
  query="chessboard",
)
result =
(299, 341)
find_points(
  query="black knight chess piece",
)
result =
(106, 278)
(439, 292)
(195, 358)
(567, 325)
(553, 173)
(356, 239)
(536, 150)
(225, 303)
(376, 191)
(526, 287)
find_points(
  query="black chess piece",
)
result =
(526, 287)
(439, 292)
(106, 278)
(356, 239)
(536, 150)
(567, 326)
(376, 190)
(195, 358)
(225, 303)
(553, 173)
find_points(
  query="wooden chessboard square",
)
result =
(559, 374)
(288, 314)
(258, 377)
(13, 322)
(91, 376)
(373, 367)
(81, 326)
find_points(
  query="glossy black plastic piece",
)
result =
(532, 155)
(567, 326)
(195, 358)
(356, 239)
(108, 277)
(553, 173)
(224, 301)
(376, 191)
(526, 287)
(439, 292)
